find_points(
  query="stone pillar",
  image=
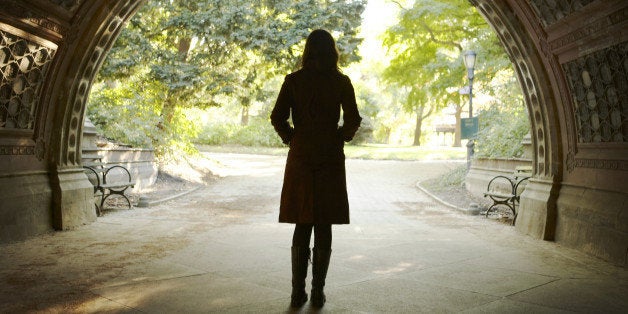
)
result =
(538, 220)
(25, 199)
(73, 198)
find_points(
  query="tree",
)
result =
(195, 53)
(427, 44)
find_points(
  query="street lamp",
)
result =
(469, 63)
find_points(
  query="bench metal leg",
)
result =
(128, 201)
(114, 192)
(504, 203)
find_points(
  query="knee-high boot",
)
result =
(300, 259)
(320, 264)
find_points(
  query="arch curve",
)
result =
(98, 27)
(92, 30)
(523, 41)
(53, 50)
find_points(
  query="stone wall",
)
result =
(484, 169)
(139, 161)
(25, 200)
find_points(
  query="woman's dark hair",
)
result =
(320, 52)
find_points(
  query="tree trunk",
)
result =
(167, 114)
(457, 135)
(417, 128)
(244, 118)
(184, 47)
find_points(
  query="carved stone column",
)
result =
(92, 31)
(50, 51)
(518, 29)
(571, 59)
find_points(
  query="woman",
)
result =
(314, 194)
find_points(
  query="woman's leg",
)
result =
(300, 259)
(320, 263)
(301, 236)
(322, 236)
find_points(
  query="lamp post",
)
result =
(469, 63)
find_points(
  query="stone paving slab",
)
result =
(476, 278)
(513, 307)
(194, 294)
(220, 249)
(399, 295)
(579, 295)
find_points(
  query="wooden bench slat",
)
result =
(93, 157)
(497, 194)
(98, 170)
(117, 185)
(94, 164)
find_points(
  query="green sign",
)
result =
(469, 127)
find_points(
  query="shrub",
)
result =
(259, 132)
(502, 129)
(120, 114)
(124, 114)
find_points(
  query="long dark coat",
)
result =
(314, 188)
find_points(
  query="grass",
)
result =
(453, 178)
(393, 152)
(367, 151)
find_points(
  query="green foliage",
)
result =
(123, 114)
(502, 129)
(130, 114)
(455, 177)
(427, 44)
(394, 152)
(259, 132)
(364, 133)
(368, 105)
(177, 54)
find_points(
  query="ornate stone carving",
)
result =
(81, 84)
(69, 5)
(32, 17)
(580, 33)
(571, 162)
(602, 164)
(515, 45)
(40, 149)
(16, 150)
(550, 11)
(23, 66)
(586, 31)
(599, 87)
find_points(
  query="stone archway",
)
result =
(84, 49)
(575, 196)
(53, 48)
(537, 216)
(570, 57)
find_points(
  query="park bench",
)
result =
(506, 190)
(107, 179)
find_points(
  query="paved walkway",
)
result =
(219, 249)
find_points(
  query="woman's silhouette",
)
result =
(314, 194)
